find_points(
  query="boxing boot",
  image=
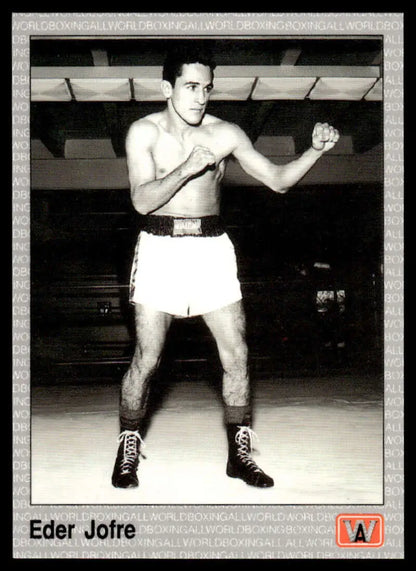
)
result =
(240, 464)
(127, 461)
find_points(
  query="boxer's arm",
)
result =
(281, 177)
(149, 193)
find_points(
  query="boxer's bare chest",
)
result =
(169, 151)
(201, 195)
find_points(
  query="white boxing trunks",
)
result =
(184, 276)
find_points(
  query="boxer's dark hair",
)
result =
(186, 53)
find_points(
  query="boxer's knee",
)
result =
(234, 357)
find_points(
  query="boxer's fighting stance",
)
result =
(184, 263)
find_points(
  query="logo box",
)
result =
(360, 530)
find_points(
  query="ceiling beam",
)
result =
(100, 59)
(291, 56)
(155, 72)
(117, 136)
(378, 59)
(255, 118)
(43, 128)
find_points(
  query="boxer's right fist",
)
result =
(199, 159)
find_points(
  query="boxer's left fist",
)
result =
(324, 137)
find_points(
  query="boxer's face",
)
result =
(190, 94)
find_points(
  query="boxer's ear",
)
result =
(166, 88)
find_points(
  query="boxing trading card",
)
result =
(207, 281)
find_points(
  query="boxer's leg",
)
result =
(228, 328)
(151, 329)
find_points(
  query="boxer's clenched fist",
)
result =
(199, 159)
(324, 137)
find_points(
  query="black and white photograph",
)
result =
(208, 273)
(277, 328)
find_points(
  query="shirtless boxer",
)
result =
(184, 263)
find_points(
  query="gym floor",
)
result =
(321, 439)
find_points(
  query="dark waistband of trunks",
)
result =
(177, 227)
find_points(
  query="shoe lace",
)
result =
(131, 450)
(244, 438)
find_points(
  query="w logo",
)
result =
(360, 530)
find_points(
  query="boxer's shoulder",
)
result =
(144, 128)
(219, 127)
